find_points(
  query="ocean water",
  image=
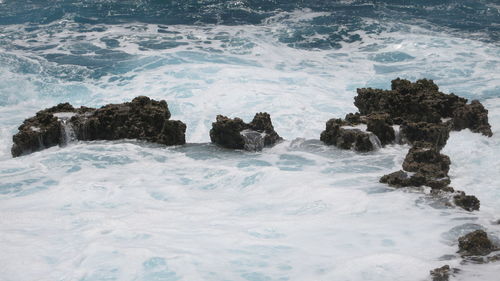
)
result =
(129, 210)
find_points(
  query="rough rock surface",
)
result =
(427, 161)
(339, 133)
(142, 119)
(436, 134)
(467, 202)
(403, 179)
(441, 273)
(473, 116)
(381, 125)
(227, 132)
(475, 243)
(412, 102)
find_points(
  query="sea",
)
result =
(301, 210)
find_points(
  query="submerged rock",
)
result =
(475, 243)
(236, 134)
(142, 119)
(340, 133)
(442, 273)
(466, 202)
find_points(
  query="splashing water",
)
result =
(128, 210)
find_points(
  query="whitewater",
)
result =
(301, 210)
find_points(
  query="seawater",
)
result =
(129, 210)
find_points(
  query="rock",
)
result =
(426, 161)
(466, 202)
(227, 132)
(380, 124)
(436, 134)
(339, 133)
(475, 243)
(412, 102)
(403, 179)
(142, 119)
(472, 116)
(441, 273)
(353, 118)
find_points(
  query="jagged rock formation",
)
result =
(142, 119)
(475, 243)
(342, 134)
(425, 117)
(236, 134)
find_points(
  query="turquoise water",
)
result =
(129, 210)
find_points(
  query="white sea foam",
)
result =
(297, 211)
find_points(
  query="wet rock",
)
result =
(353, 118)
(475, 243)
(466, 202)
(472, 116)
(142, 119)
(380, 124)
(436, 134)
(406, 101)
(427, 161)
(441, 273)
(37, 133)
(236, 134)
(403, 179)
(339, 133)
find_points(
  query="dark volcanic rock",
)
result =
(36, 133)
(441, 273)
(466, 202)
(436, 134)
(403, 179)
(426, 161)
(475, 243)
(346, 137)
(381, 125)
(142, 119)
(412, 102)
(474, 117)
(236, 134)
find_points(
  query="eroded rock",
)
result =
(472, 116)
(466, 202)
(340, 133)
(142, 119)
(236, 134)
(436, 134)
(475, 243)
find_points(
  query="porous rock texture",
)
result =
(142, 119)
(227, 132)
(475, 243)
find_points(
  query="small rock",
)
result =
(475, 243)
(380, 124)
(427, 161)
(441, 273)
(466, 202)
(227, 132)
(403, 179)
(346, 138)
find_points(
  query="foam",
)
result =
(297, 211)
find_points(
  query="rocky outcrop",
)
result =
(436, 134)
(342, 134)
(475, 243)
(142, 119)
(406, 101)
(472, 116)
(236, 134)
